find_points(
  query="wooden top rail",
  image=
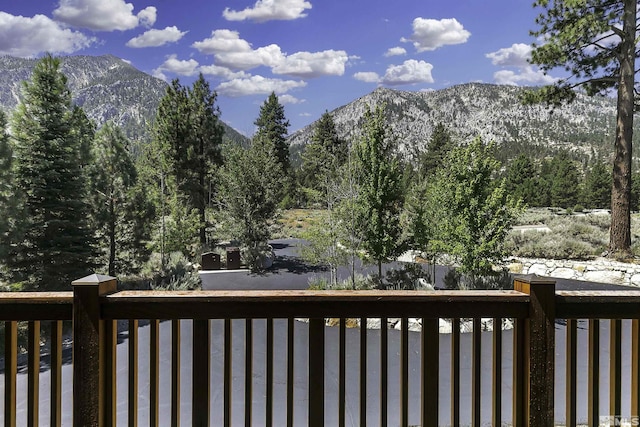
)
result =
(36, 306)
(285, 304)
(598, 304)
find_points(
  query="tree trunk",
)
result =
(620, 236)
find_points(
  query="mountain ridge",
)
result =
(492, 112)
(106, 87)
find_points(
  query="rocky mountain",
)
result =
(492, 112)
(106, 87)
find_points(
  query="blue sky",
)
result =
(315, 54)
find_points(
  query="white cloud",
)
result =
(305, 114)
(222, 41)
(526, 76)
(515, 56)
(367, 76)
(410, 72)
(395, 51)
(176, 66)
(269, 10)
(290, 99)
(222, 72)
(231, 51)
(430, 34)
(313, 64)
(257, 85)
(268, 56)
(154, 38)
(103, 15)
(24, 36)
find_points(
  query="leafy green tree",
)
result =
(272, 129)
(438, 147)
(249, 192)
(188, 137)
(379, 201)
(520, 179)
(480, 212)
(596, 42)
(597, 187)
(54, 245)
(122, 213)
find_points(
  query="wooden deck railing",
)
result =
(95, 306)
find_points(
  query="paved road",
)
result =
(292, 275)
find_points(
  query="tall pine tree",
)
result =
(272, 129)
(596, 42)
(188, 137)
(122, 212)
(53, 244)
(6, 196)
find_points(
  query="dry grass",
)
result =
(295, 221)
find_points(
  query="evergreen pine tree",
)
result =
(565, 181)
(325, 154)
(438, 147)
(188, 136)
(597, 187)
(121, 210)
(272, 129)
(6, 196)
(596, 42)
(520, 179)
(379, 201)
(54, 245)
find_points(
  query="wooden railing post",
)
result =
(90, 353)
(539, 349)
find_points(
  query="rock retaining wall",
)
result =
(600, 270)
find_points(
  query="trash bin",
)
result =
(210, 261)
(233, 258)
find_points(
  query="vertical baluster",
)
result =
(342, 373)
(615, 366)
(154, 372)
(635, 368)
(519, 394)
(455, 372)
(316, 372)
(248, 371)
(56, 374)
(228, 374)
(269, 379)
(594, 372)
(476, 369)
(363, 372)
(10, 372)
(290, 372)
(496, 414)
(430, 352)
(384, 352)
(404, 372)
(175, 373)
(201, 393)
(571, 359)
(33, 386)
(108, 348)
(133, 373)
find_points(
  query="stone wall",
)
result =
(600, 270)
